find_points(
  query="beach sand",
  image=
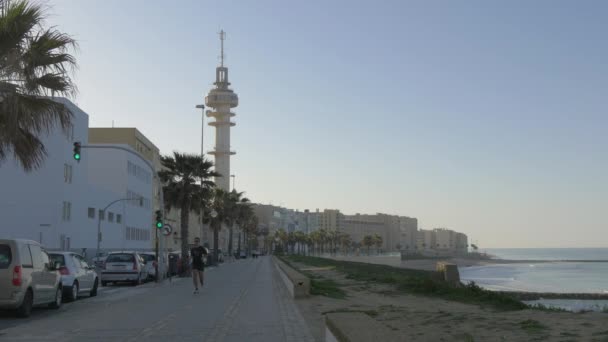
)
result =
(419, 318)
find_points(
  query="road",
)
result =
(241, 301)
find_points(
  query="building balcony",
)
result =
(218, 98)
(221, 152)
(221, 123)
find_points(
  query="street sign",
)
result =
(167, 229)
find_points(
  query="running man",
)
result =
(198, 266)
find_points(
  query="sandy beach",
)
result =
(421, 318)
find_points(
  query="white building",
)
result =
(131, 181)
(58, 204)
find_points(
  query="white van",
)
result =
(27, 277)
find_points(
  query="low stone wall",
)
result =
(297, 284)
(356, 327)
(449, 273)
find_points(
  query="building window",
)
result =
(66, 213)
(118, 218)
(67, 173)
(110, 217)
(91, 212)
(102, 215)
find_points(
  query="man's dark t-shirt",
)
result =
(197, 257)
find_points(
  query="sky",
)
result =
(485, 117)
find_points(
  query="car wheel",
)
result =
(25, 310)
(58, 296)
(94, 290)
(73, 293)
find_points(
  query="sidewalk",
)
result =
(241, 301)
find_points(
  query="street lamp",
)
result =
(233, 182)
(141, 201)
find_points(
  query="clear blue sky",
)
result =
(486, 117)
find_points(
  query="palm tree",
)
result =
(323, 238)
(187, 185)
(368, 241)
(248, 222)
(378, 242)
(281, 235)
(220, 203)
(35, 63)
(235, 214)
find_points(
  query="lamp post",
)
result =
(104, 213)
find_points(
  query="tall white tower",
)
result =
(221, 99)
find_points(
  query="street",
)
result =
(241, 301)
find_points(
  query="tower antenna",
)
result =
(222, 38)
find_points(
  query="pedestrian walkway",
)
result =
(241, 301)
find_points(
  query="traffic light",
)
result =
(159, 219)
(77, 151)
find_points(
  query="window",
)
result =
(118, 218)
(110, 217)
(120, 257)
(26, 256)
(67, 173)
(102, 215)
(91, 212)
(37, 256)
(6, 256)
(66, 213)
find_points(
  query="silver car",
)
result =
(150, 264)
(123, 267)
(27, 277)
(77, 276)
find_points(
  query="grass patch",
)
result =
(600, 333)
(568, 334)
(328, 288)
(413, 281)
(532, 326)
(543, 307)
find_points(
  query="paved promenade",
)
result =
(241, 301)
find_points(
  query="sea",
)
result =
(569, 271)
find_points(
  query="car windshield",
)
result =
(5, 256)
(120, 258)
(57, 258)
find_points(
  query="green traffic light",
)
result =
(77, 156)
(159, 225)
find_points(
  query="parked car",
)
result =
(77, 276)
(150, 264)
(123, 267)
(243, 255)
(27, 277)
